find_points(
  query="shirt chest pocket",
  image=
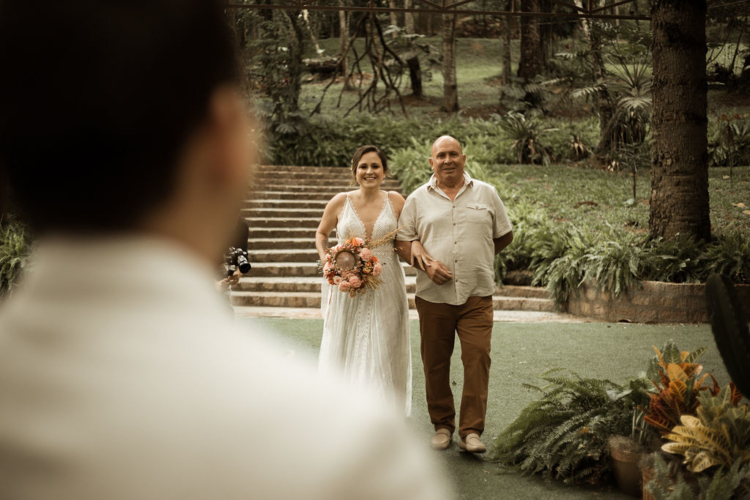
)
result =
(478, 213)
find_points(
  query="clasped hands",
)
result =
(436, 270)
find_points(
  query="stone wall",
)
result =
(655, 302)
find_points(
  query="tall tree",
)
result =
(679, 161)
(450, 84)
(409, 18)
(508, 22)
(603, 99)
(344, 44)
(531, 62)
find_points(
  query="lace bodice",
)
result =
(350, 225)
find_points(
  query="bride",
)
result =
(366, 337)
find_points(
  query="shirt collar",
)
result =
(468, 181)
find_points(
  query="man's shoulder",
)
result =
(420, 192)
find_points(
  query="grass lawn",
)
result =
(595, 198)
(520, 353)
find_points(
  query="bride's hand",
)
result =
(419, 258)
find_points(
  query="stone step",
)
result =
(301, 269)
(313, 299)
(280, 195)
(279, 222)
(324, 174)
(286, 204)
(283, 255)
(284, 243)
(282, 213)
(336, 187)
(282, 232)
(295, 168)
(296, 284)
(536, 292)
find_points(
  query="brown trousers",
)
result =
(438, 325)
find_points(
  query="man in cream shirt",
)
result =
(452, 227)
(122, 377)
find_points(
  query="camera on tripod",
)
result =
(237, 258)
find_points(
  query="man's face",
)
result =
(447, 161)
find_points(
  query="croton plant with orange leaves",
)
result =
(678, 381)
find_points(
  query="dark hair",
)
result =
(98, 101)
(363, 150)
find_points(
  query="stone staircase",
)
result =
(283, 210)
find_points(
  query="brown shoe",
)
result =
(472, 444)
(441, 440)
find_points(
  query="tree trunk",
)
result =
(296, 53)
(394, 16)
(415, 74)
(415, 68)
(409, 18)
(679, 161)
(530, 64)
(450, 85)
(343, 40)
(604, 102)
(507, 27)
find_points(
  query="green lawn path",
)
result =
(520, 352)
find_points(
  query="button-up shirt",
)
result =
(459, 233)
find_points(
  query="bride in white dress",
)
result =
(366, 337)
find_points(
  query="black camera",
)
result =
(237, 258)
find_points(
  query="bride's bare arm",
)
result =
(327, 223)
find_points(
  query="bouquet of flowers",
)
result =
(353, 267)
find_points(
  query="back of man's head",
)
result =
(99, 100)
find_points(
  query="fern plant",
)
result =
(563, 435)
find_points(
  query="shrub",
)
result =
(14, 250)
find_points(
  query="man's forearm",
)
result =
(403, 249)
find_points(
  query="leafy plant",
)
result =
(564, 434)
(719, 435)
(729, 255)
(725, 484)
(14, 251)
(525, 134)
(676, 377)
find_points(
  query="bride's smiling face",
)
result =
(370, 172)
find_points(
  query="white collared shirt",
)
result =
(122, 377)
(459, 234)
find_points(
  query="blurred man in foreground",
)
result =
(127, 147)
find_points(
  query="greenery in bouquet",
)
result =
(353, 267)
(564, 435)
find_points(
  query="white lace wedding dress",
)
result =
(366, 337)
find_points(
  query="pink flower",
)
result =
(365, 254)
(377, 269)
(327, 267)
(337, 280)
(358, 241)
(344, 286)
(355, 282)
(328, 257)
